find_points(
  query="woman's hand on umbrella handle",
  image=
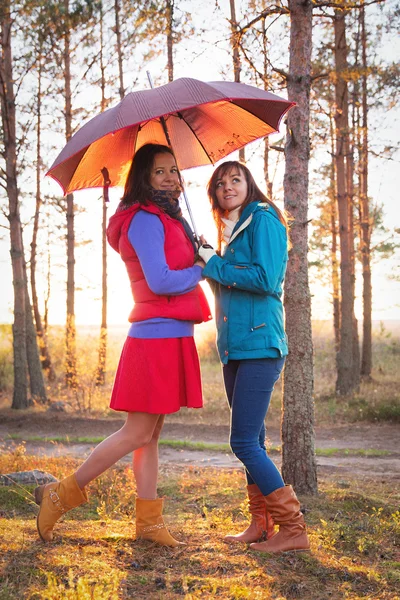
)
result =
(206, 252)
(203, 240)
(200, 263)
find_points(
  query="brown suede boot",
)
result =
(150, 524)
(285, 511)
(261, 525)
(54, 500)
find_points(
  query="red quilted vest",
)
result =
(179, 254)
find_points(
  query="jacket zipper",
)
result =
(258, 326)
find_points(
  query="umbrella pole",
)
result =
(164, 126)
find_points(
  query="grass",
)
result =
(354, 529)
(179, 444)
(377, 400)
(200, 446)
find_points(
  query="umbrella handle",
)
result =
(164, 126)
(106, 183)
(196, 234)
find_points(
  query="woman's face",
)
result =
(164, 173)
(231, 189)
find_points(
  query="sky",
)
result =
(206, 61)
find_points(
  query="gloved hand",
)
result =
(206, 252)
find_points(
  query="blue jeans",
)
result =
(249, 384)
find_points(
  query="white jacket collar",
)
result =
(247, 222)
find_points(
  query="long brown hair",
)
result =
(253, 193)
(137, 185)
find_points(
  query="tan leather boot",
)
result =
(150, 524)
(285, 511)
(261, 525)
(54, 500)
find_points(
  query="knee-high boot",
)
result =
(261, 525)
(285, 511)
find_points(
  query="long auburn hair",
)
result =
(253, 193)
(137, 185)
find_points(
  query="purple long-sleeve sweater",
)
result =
(146, 234)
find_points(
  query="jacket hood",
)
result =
(116, 223)
(257, 206)
(124, 216)
(247, 216)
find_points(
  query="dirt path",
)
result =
(372, 437)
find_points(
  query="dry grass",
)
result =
(377, 399)
(353, 526)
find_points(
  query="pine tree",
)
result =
(298, 455)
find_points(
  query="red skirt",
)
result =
(157, 376)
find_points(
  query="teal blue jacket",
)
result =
(248, 289)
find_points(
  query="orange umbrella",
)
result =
(202, 122)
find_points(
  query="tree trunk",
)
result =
(170, 40)
(101, 365)
(298, 456)
(334, 234)
(119, 50)
(345, 362)
(267, 178)
(350, 192)
(101, 368)
(236, 58)
(8, 117)
(41, 338)
(268, 182)
(36, 379)
(48, 288)
(366, 362)
(70, 367)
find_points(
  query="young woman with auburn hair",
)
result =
(247, 280)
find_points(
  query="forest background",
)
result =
(204, 52)
(64, 62)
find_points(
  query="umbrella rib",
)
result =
(195, 135)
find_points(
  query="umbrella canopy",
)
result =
(205, 122)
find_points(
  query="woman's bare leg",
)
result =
(135, 433)
(145, 465)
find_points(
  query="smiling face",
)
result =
(231, 189)
(164, 173)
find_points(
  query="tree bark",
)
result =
(366, 361)
(41, 338)
(170, 40)
(36, 379)
(119, 50)
(345, 356)
(48, 287)
(334, 235)
(71, 366)
(267, 178)
(8, 117)
(101, 365)
(298, 455)
(349, 153)
(236, 58)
